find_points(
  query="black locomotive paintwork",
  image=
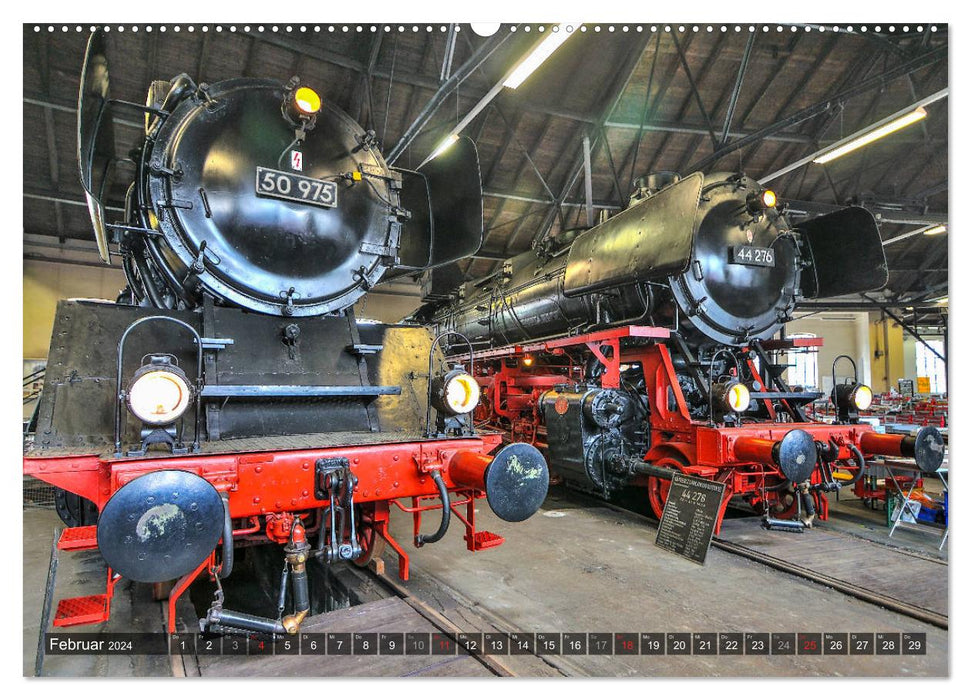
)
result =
(316, 383)
(733, 302)
(428, 238)
(199, 185)
(197, 227)
(669, 260)
(267, 282)
(516, 482)
(650, 239)
(589, 431)
(159, 526)
(853, 262)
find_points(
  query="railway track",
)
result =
(552, 666)
(886, 600)
(491, 663)
(856, 591)
(385, 605)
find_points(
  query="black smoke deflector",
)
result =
(650, 240)
(96, 139)
(445, 201)
(845, 254)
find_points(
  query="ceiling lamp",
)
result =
(543, 50)
(871, 136)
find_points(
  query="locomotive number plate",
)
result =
(295, 188)
(752, 255)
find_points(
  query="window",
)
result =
(930, 365)
(803, 365)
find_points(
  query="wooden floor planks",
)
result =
(386, 615)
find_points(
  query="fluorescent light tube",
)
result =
(444, 145)
(535, 59)
(872, 136)
(934, 230)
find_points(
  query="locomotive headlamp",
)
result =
(528, 361)
(853, 396)
(456, 392)
(760, 201)
(733, 395)
(306, 101)
(159, 392)
(300, 105)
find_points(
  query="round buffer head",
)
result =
(160, 526)
(796, 455)
(516, 482)
(929, 449)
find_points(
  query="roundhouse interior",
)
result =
(613, 103)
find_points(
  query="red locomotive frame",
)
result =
(513, 379)
(266, 490)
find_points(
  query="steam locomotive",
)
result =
(233, 397)
(641, 348)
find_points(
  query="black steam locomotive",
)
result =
(233, 396)
(640, 348)
(709, 255)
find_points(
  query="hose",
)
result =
(234, 620)
(281, 602)
(446, 513)
(227, 567)
(807, 503)
(861, 462)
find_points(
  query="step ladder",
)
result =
(89, 609)
(483, 540)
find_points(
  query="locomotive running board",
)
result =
(595, 342)
(574, 340)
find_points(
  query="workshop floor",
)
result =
(577, 566)
(581, 567)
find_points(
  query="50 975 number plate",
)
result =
(752, 255)
(295, 188)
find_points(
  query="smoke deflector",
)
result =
(845, 254)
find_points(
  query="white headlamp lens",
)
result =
(738, 397)
(159, 397)
(863, 397)
(462, 393)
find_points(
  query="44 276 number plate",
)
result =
(752, 255)
(295, 188)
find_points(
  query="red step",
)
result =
(75, 539)
(484, 540)
(86, 610)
